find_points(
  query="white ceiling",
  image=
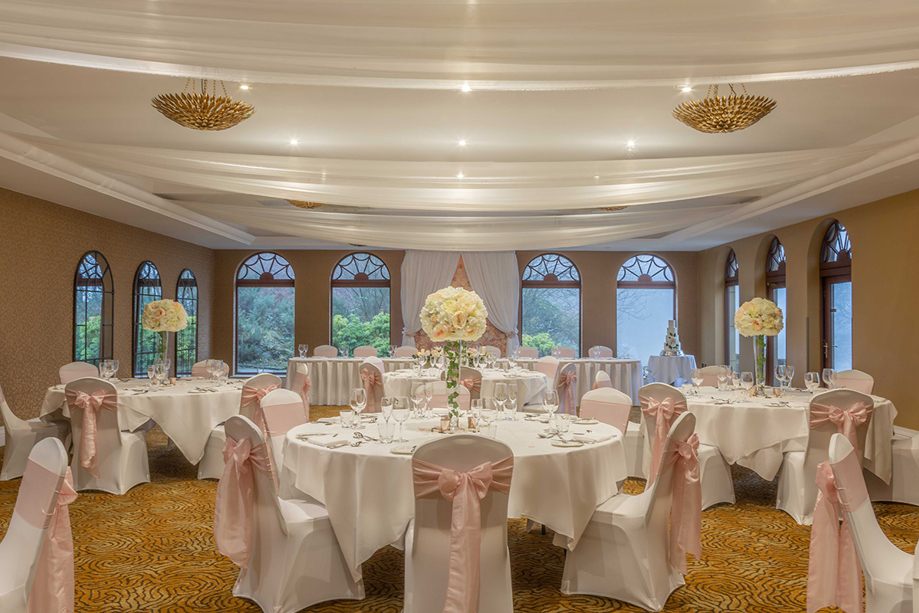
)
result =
(378, 114)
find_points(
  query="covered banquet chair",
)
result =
(365, 351)
(405, 351)
(372, 382)
(325, 351)
(855, 380)
(21, 436)
(608, 406)
(530, 353)
(566, 353)
(710, 375)
(77, 370)
(199, 369)
(904, 471)
(601, 379)
(281, 411)
(492, 350)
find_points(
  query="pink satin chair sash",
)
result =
(371, 379)
(301, 385)
(566, 383)
(663, 411)
(834, 574)
(53, 588)
(472, 384)
(90, 404)
(254, 395)
(846, 420)
(686, 504)
(466, 491)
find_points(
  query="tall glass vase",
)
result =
(453, 351)
(163, 349)
(759, 347)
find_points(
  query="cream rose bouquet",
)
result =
(758, 317)
(454, 314)
(163, 317)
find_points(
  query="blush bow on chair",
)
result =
(634, 548)
(372, 380)
(22, 436)
(469, 478)
(91, 404)
(288, 555)
(567, 382)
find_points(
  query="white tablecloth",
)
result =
(755, 434)
(531, 386)
(625, 374)
(332, 379)
(186, 416)
(368, 490)
(669, 368)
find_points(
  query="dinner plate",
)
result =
(557, 443)
(403, 450)
(586, 422)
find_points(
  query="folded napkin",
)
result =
(329, 443)
(591, 438)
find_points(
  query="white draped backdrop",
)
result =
(493, 275)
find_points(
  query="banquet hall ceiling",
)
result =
(569, 113)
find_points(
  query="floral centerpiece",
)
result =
(759, 318)
(453, 315)
(163, 317)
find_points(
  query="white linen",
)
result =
(423, 273)
(186, 416)
(625, 375)
(755, 435)
(368, 490)
(531, 386)
(496, 278)
(332, 379)
(669, 368)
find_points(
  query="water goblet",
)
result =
(418, 398)
(736, 380)
(723, 378)
(697, 378)
(428, 397)
(747, 381)
(512, 401)
(811, 381)
(358, 401)
(501, 395)
(829, 378)
(476, 407)
(151, 376)
(161, 372)
(115, 366)
(687, 388)
(780, 376)
(105, 369)
(386, 406)
(789, 375)
(347, 418)
(550, 401)
(489, 413)
(304, 349)
(400, 414)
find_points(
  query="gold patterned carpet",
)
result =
(153, 551)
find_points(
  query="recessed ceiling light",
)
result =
(294, 141)
(686, 89)
(245, 87)
(466, 87)
(462, 143)
(631, 144)
(460, 176)
(596, 176)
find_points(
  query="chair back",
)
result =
(601, 380)
(855, 380)
(660, 493)
(549, 367)
(301, 384)
(281, 410)
(818, 439)
(566, 353)
(433, 513)
(365, 351)
(471, 380)
(528, 352)
(710, 375)
(659, 394)
(108, 430)
(199, 369)
(608, 406)
(325, 351)
(439, 399)
(254, 389)
(25, 536)
(566, 386)
(491, 349)
(372, 381)
(77, 370)
(9, 419)
(600, 351)
(405, 351)
(378, 362)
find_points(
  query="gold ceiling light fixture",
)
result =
(306, 205)
(203, 111)
(717, 114)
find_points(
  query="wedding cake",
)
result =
(672, 342)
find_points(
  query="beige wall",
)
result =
(42, 245)
(885, 332)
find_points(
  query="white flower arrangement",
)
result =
(454, 314)
(164, 316)
(758, 317)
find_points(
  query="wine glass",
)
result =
(418, 398)
(358, 401)
(697, 378)
(501, 395)
(343, 351)
(490, 359)
(151, 376)
(829, 378)
(811, 381)
(780, 375)
(400, 414)
(489, 413)
(428, 397)
(386, 406)
(550, 401)
(736, 380)
(512, 401)
(556, 352)
(747, 381)
(511, 362)
(789, 375)
(162, 371)
(105, 369)
(304, 349)
(723, 377)
(115, 366)
(476, 407)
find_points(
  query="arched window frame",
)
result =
(552, 271)
(650, 272)
(775, 280)
(263, 269)
(148, 286)
(187, 296)
(356, 270)
(835, 268)
(731, 284)
(97, 274)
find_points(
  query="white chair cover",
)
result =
(199, 369)
(121, 456)
(365, 351)
(439, 399)
(600, 351)
(549, 367)
(21, 436)
(855, 380)
(602, 380)
(292, 559)
(608, 406)
(376, 362)
(797, 492)
(405, 351)
(26, 549)
(904, 471)
(625, 552)
(428, 538)
(567, 353)
(566, 386)
(281, 410)
(77, 370)
(372, 379)
(710, 375)
(528, 352)
(301, 384)
(492, 350)
(325, 351)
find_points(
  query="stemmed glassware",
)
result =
(428, 397)
(510, 411)
(358, 402)
(780, 376)
(511, 362)
(811, 381)
(105, 369)
(152, 381)
(501, 395)
(211, 367)
(489, 413)
(476, 407)
(829, 378)
(162, 371)
(736, 380)
(550, 401)
(400, 414)
(418, 398)
(789, 375)
(490, 359)
(723, 377)
(392, 351)
(747, 381)
(386, 407)
(697, 378)
(304, 349)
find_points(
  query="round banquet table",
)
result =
(624, 374)
(755, 433)
(185, 414)
(369, 494)
(669, 368)
(531, 386)
(332, 379)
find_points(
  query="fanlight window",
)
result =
(147, 288)
(836, 247)
(187, 339)
(645, 304)
(551, 304)
(93, 309)
(775, 260)
(836, 274)
(731, 269)
(265, 307)
(361, 303)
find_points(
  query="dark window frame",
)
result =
(266, 278)
(104, 280)
(141, 282)
(731, 279)
(359, 279)
(775, 279)
(183, 282)
(835, 267)
(550, 280)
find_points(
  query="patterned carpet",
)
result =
(153, 550)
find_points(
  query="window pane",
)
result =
(264, 328)
(147, 288)
(733, 356)
(779, 296)
(641, 322)
(551, 317)
(360, 316)
(841, 321)
(187, 339)
(87, 325)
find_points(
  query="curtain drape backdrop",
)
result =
(423, 273)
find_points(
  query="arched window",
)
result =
(360, 303)
(731, 304)
(93, 309)
(776, 348)
(147, 288)
(187, 339)
(836, 276)
(264, 314)
(551, 304)
(645, 303)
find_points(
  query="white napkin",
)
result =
(592, 438)
(330, 443)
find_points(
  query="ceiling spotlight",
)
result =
(596, 176)
(462, 143)
(294, 141)
(631, 144)
(466, 87)
(246, 87)
(686, 89)
(460, 176)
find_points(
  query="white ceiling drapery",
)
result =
(423, 273)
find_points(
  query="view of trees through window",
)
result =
(645, 294)
(360, 303)
(187, 339)
(551, 304)
(731, 306)
(147, 288)
(836, 276)
(264, 314)
(93, 304)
